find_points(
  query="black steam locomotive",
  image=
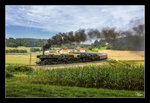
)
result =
(70, 58)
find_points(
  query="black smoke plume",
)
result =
(94, 33)
(131, 39)
(64, 38)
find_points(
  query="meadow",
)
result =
(122, 75)
(24, 89)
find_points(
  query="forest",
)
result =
(27, 42)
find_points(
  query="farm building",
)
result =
(58, 51)
(66, 51)
(82, 49)
(47, 51)
(70, 50)
(106, 43)
(50, 51)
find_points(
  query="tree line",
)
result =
(27, 42)
(34, 49)
(16, 51)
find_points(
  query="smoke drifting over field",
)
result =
(131, 38)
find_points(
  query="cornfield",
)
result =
(117, 75)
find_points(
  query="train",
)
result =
(72, 57)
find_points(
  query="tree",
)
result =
(96, 44)
(34, 49)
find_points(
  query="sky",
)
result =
(43, 22)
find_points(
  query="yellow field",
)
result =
(124, 55)
(21, 59)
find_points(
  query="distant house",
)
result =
(58, 51)
(66, 51)
(82, 49)
(47, 51)
(70, 50)
(106, 43)
(78, 48)
(50, 51)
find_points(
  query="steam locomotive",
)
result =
(70, 58)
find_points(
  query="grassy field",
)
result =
(24, 89)
(23, 59)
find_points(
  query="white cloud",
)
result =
(67, 18)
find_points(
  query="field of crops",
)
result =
(113, 76)
(124, 55)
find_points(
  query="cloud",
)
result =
(71, 18)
